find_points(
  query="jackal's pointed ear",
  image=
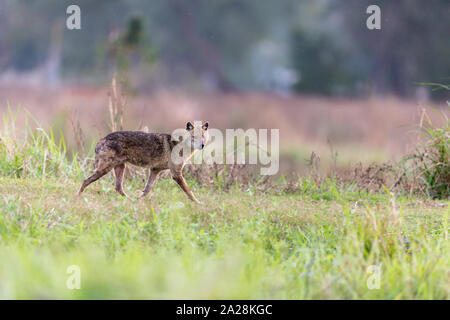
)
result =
(189, 126)
(205, 125)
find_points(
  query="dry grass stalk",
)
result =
(116, 105)
(78, 134)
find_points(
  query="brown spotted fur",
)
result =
(149, 150)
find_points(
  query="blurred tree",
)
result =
(412, 45)
(343, 55)
(122, 46)
(234, 44)
(213, 39)
(321, 65)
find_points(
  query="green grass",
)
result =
(433, 158)
(314, 242)
(246, 245)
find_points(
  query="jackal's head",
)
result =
(198, 134)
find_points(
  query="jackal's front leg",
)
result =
(180, 180)
(119, 172)
(151, 181)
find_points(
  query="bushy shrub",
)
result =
(432, 159)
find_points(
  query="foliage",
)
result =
(239, 245)
(315, 242)
(37, 154)
(321, 65)
(232, 44)
(431, 162)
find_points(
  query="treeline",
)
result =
(319, 47)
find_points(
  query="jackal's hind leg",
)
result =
(119, 172)
(150, 182)
(97, 175)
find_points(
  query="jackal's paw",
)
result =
(142, 196)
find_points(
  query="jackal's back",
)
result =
(136, 147)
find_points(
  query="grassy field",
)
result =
(315, 239)
(361, 130)
(246, 244)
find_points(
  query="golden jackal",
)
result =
(150, 150)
